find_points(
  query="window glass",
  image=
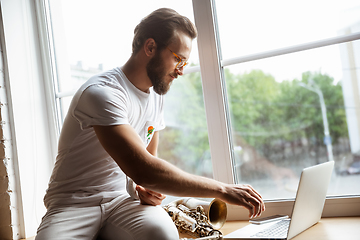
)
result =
(293, 111)
(94, 36)
(248, 27)
(184, 141)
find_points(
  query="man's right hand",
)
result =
(246, 196)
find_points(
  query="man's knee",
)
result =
(134, 221)
(162, 229)
(146, 230)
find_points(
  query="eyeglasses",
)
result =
(181, 62)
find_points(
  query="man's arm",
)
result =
(148, 197)
(127, 149)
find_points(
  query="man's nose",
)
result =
(179, 71)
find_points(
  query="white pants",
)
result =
(121, 218)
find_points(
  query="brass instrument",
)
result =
(198, 218)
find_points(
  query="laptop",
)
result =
(307, 209)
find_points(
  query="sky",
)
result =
(100, 32)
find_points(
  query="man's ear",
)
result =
(150, 47)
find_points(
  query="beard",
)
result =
(157, 73)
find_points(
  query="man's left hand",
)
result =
(148, 197)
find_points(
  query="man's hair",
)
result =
(161, 25)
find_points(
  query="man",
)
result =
(111, 130)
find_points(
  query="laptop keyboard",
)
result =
(277, 230)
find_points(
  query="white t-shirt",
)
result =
(84, 172)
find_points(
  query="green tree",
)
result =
(253, 113)
(334, 102)
(265, 112)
